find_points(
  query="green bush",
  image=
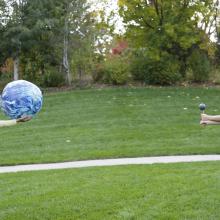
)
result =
(115, 70)
(98, 73)
(53, 78)
(155, 72)
(4, 79)
(48, 77)
(32, 76)
(200, 65)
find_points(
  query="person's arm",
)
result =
(210, 123)
(6, 123)
(215, 118)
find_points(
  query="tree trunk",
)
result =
(65, 54)
(16, 68)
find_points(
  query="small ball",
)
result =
(21, 98)
(202, 107)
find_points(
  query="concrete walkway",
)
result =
(109, 162)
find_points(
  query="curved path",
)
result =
(109, 162)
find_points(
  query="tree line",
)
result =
(172, 38)
(53, 42)
(47, 38)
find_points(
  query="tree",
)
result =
(169, 27)
(43, 48)
(58, 28)
(15, 33)
(47, 36)
(79, 38)
(2, 27)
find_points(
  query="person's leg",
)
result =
(209, 123)
(215, 118)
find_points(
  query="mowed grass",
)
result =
(174, 191)
(112, 123)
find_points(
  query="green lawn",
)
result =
(174, 191)
(111, 123)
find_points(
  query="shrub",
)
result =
(4, 79)
(200, 65)
(32, 76)
(115, 70)
(164, 71)
(98, 72)
(53, 78)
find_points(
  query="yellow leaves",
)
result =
(210, 47)
(121, 3)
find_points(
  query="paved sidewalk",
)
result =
(109, 162)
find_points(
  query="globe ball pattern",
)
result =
(21, 98)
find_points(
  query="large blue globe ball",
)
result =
(21, 98)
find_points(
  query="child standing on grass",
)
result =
(12, 122)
